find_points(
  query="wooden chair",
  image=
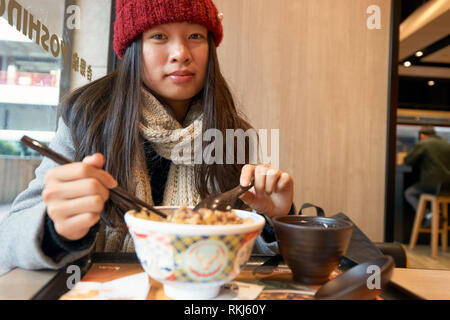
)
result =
(437, 201)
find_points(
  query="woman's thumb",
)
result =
(96, 160)
(248, 197)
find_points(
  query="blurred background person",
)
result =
(431, 155)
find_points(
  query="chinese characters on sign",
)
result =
(79, 65)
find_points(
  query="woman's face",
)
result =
(175, 57)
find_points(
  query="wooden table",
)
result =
(22, 284)
(427, 284)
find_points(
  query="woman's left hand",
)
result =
(273, 190)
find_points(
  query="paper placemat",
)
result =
(135, 287)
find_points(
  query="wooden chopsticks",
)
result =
(118, 195)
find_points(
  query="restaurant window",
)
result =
(47, 49)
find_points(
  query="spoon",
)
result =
(355, 283)
(269, 266)
(117, 193)
(223, 201)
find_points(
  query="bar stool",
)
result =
(437, 200)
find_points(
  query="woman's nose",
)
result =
(180, 53)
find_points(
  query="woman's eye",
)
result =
(158, 36)
(197, 36)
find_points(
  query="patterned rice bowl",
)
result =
(193, 261)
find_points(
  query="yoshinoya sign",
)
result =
(30, 26)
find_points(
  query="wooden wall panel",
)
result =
(315, 71)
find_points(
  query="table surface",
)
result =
(278, 279)
(426, 283)
(21, 284)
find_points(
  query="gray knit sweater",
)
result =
(22, 231)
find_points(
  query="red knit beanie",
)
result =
(133, 17)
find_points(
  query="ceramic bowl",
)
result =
(193, 261)
(312, 246)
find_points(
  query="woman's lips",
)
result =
(181, 77)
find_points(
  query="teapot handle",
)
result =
(319, 210)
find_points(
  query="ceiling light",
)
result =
(431, 83)
(419, 53)
(407, 64)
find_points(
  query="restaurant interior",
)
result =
(348, 84)
(423, 100)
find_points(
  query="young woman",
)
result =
(120, 130)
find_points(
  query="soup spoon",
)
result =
(223, 201)
(354, 284)
(357, 284)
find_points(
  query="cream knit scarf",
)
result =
(168, 137)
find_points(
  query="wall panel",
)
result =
(314, 70)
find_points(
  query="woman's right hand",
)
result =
(75, 195)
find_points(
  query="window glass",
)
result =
(47, 49)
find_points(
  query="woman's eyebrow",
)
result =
(192, 28)
(196, 26)
(197, 30)
(157, 28)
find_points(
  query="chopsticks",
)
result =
(118, 195)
